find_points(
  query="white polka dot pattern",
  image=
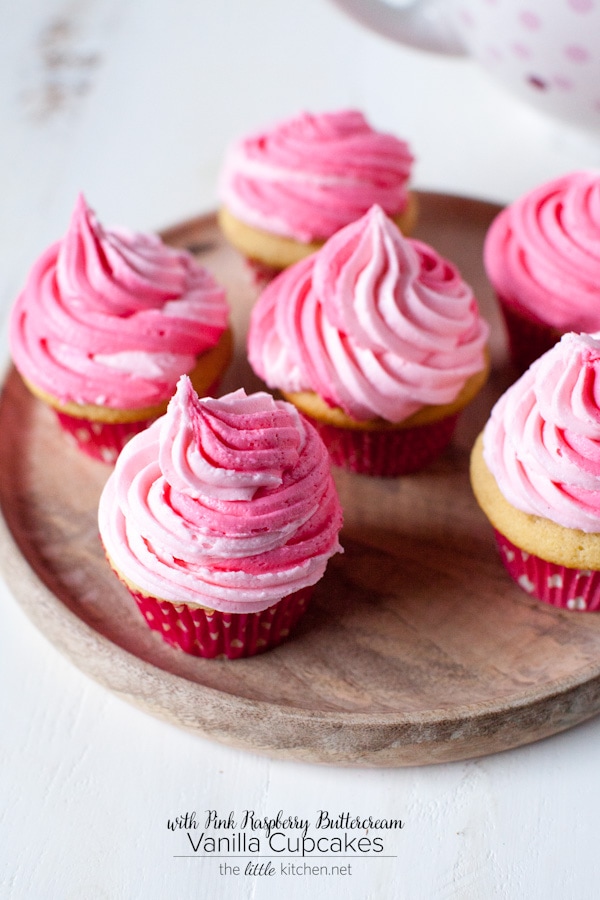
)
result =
(572, 589)
(211, 634)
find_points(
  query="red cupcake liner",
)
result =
(528, 338)
(210, 634)
(387, 453)
(573, 589)
(261, 273)
(105, 440)
(100, 440)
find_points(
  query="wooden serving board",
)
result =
(417, 647)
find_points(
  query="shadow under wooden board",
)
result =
(417, 647)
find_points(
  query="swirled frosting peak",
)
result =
(225, 503)
(310, 175)
(227, 448)
(542, 252)
(542, 441)
(112, 317)
(377, 324)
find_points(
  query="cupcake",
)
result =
(107, 322)
(378, 341)
(287, 189)
(220, 518)
(535, 471)
(542, 257)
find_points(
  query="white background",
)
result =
(133, 102)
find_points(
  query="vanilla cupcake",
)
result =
(107, 322)
(535, 472)
(220, 519)
(378, 340)
(542, 256)
(286, 189)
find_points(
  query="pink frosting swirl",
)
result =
(375, 323)
(309, 176)
(542, 441)
(227, 504)
(543, 252)
(113, 318)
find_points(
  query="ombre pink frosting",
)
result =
(224, 503)
(309, 176)
(542, 252)
(113, 318)
(542, 441)
(377, 324)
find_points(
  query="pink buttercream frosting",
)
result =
(542, 441)
(377, 324)
(224, 503)
(113, 318)
(309, 176)
(542, 253)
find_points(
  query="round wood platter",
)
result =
(417, 647)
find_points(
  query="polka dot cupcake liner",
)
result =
(100, 440)
(105, 440)
(212, 634)
(527, 338)
(387, 453)
(261, 273)
(572, 589)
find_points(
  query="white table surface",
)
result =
(133, 102)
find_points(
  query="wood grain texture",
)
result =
(417, 647)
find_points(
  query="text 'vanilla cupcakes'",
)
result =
(220, 518)
(107, 322)
(286, 189)
(542, 257)
(535, 471)
(378, 340)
